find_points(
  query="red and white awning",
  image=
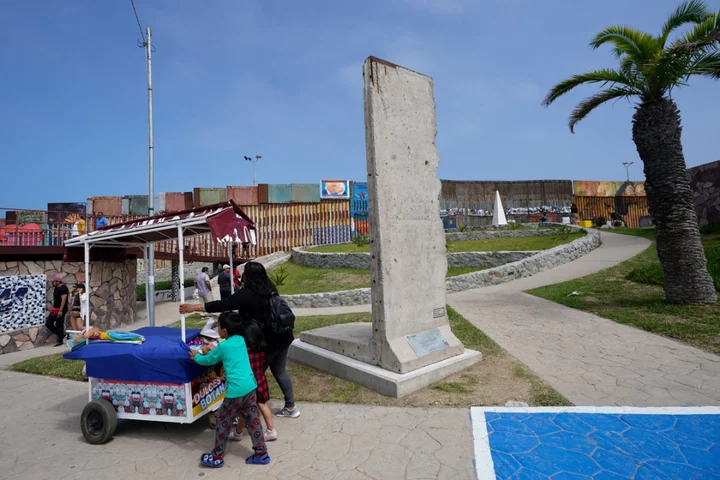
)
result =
(226, 222)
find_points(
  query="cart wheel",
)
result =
(98, 422)
(212, 420)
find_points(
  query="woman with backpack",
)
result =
(259, 301)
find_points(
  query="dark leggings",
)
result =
(276, 359)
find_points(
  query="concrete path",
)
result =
(591, 360)
(40, 439)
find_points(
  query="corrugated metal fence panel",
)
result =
(480, 195)
(305, 193)
(136, 205)
(110, 206)
(243, 195)
(209, 196)
(263, 193)
(279, 193)
(627, 209)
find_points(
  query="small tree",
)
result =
(650, 67)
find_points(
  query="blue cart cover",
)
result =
(162, 358)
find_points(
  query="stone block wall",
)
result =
(361, 260)
(506, 233)
(705, 183)
(525, 267)
(165, 274)
(112, 300)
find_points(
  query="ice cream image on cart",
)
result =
(147, 374)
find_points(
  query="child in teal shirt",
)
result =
(240, 395)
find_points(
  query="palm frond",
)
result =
(693, 11)
(605, 76)
(707, 65)
(705, 34)
(634, 43)
(591, 103)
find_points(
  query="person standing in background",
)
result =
(202, 285)
(55, 321)
(101, 221)
(224, 280)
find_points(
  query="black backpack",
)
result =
(282, 318)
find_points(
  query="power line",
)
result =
(142, 35)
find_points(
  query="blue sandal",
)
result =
(256, 459)
(209, 460)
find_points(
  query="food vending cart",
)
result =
(153, 378)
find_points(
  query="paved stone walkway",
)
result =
(40, 439)
(591, 360)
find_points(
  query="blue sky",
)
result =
(284, 79)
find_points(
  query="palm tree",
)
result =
(650, 67)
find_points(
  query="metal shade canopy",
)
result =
(226, 222)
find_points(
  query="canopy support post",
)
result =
(87, 285)
(232, 269)
(181, 268)
(146, 269)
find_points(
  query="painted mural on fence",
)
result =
(59, 212)
(589, 188)
(22, 302)
(334, 189)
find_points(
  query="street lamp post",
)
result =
(254, 162)
(627, 169)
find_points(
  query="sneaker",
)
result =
(256, 459)
(235, 436)
(59, 343)
(286, 412)
(270, 435)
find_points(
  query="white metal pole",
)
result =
(181, 269)
(151, 184)
(147, 283)
(232, 269)
(87, 285)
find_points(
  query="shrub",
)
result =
(361, 240)
(462, 228)
(599, 221)
(278, 276)
(515, 226)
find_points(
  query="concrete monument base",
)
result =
(383, 381)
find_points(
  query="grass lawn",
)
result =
(302, 279)
(487, 245)
(611, 294)
(494, 381)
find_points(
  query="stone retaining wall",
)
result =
(357, 260)
(112, 300)
(361, 260)
(525, 267)
(507, 233)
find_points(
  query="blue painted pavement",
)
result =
(615, 444)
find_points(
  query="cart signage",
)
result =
(141, 398)
(208, 390)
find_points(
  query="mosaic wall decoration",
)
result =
(22, 302)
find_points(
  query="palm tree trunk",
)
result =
(656, 133)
